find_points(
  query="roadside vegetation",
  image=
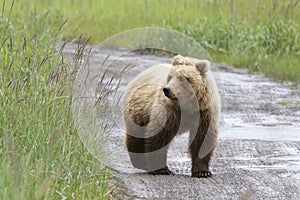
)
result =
(262, 35)
(41, 154)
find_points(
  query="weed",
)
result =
(241, 33)
(41, 155)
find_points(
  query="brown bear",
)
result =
(164, 101)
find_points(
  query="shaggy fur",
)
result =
(167, 100)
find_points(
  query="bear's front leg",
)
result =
(201, 153)
(202, 145)
(156, 148)
(200, 167)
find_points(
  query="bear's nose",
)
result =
(167, 91)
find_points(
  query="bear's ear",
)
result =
(203, 66)
(180, 60)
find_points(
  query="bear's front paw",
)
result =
(162, 171)
(202, 174)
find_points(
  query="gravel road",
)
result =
(258, 153)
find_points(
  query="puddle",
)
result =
(289, 164)
(261, 133)
(281, 157)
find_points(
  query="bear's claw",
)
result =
(202, 174)
(162, 171)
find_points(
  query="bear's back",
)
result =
(155, 75)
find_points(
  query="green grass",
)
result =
(242, 33)
(42, 156)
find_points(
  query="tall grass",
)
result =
(41, 154)
(246, 33)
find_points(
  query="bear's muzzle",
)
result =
(168, 93)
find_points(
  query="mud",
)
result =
(258, 153)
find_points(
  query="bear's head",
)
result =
(187, 83)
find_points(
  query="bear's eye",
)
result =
(181, 78)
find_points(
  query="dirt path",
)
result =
(258, 154)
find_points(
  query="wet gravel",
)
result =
(258, 154)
